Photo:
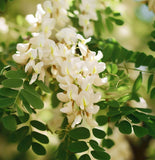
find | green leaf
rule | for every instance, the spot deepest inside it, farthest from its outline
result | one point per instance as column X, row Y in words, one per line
column 30, row 89
column 79, row 133
column 125, row 127
column 12, row 83
column 113, row 112
column 140, row 131
column 19, row 74
column 26, row 105
column 101, row 120
column 100, row 155
column 140, row 58
column 39, row 125
column 119, row 22
column 152, row 45
column 43, row 86
column 24, row 118
column 54, row 100
column 137, row 83
column 108, row 10
column 133, row 118
column 19, row 134
column 95, row 146
column 40, row 137
column 109, row 25
column 150, row 80
column 25, row 144
column 9, row 123
column 2, row 5
column 78, row 147
column 32, row 99
column 153, row 34
column 125, row 110
column 145, row 110
column 85, row 157
column 112, row 68
column 102, row 105
column 19, row 111
column 109, row 131
column 152, row 95
column 7, row 92
column 151, row 128
column 6, row 102
column 98, row 133
column 114, row 104
column 38, row 149
column 108, row 143
column 99, row 28
column 141, row 116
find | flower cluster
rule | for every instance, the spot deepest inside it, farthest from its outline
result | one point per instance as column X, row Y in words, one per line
column 54, row 47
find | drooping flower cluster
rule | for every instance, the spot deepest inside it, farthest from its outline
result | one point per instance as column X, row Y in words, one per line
column 53, row 46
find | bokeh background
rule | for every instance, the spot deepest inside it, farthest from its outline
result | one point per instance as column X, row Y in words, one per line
column 133, row 35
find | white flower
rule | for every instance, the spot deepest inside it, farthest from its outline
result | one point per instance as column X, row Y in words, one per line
column 48, row 7
column 22, row 47
column 47, row 26
column 67, row 35
column 72, row 92
column 62, row 97
column 39, row 14
column 67, row 108
column 4, row 28
column 20, row 58
column 77, row 120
